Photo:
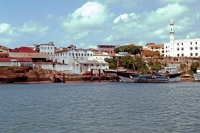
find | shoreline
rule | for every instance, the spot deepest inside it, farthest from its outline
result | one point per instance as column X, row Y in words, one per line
column 86, row 81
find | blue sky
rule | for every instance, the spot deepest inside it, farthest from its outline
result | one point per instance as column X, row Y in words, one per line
column 87, row 24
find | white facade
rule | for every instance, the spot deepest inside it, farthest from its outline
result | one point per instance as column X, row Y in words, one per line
column 47, row 48
column 80, row 61
column 101, row 55
column 68, row 56
column 181, row 48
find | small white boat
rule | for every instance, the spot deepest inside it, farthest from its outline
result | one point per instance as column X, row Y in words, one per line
column 197, row 75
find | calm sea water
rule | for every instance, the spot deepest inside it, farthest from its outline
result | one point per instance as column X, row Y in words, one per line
column 105, row 107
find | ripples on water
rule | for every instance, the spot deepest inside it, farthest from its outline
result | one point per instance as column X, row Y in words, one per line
column 100, row 107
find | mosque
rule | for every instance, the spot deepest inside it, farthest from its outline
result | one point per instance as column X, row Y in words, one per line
column 181, row 48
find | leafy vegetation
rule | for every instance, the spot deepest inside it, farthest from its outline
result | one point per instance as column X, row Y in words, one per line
column 127, row 62
column 112, row 63
column 131, row 49
column 148, row 53
column 193, row 67
column 155, row 65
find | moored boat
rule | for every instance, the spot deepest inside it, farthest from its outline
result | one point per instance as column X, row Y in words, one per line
column 172, row 72
column 197, row 75
column 150, row 78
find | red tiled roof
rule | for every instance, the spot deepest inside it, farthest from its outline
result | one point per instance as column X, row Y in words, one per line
column 23, row 59
column 155, row 45
column 24, row 50
column 4, row 59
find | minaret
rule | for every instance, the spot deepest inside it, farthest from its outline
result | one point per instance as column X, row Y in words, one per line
column 172, row 36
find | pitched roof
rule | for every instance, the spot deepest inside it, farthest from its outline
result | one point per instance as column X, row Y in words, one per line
column 24, row 50
column 155, row 45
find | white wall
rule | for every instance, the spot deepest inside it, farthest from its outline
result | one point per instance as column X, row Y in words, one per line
column 5, row 63
column 183, row 48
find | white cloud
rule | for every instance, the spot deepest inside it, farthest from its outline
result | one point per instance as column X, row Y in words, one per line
column 7, row 30
column 147, row 26
column 90, row 16
column 34, row 28
column 178, row 1
column 50, row 16
column 81, row 35
column 166, row 13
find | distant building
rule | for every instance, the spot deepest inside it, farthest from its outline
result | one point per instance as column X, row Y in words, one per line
column 106, row 48
column 155, row 47
column 26, row 52
column 16, row 62
column 181, row 48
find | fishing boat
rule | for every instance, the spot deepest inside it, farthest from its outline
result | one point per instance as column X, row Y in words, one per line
column 151, row 78
column 123, row 75
column 172, row 72
column 197, row 75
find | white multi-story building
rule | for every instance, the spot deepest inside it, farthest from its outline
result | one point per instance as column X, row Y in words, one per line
column 80, row 61
column 47, row 48
column 181, row 48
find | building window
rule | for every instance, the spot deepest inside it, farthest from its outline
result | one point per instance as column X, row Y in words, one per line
column 178, row 49
column 76, row 54
column 191, row 48
column 182, row 48
column 72, row 54
column 196, row 48
column 178, row 55
column 191, row 54
column 196, row 42
column 178, row 44
column 87, row 54
column 82, row 54
column 196, row 54
column 191, row 43
column 90, row 54
column 182, row 43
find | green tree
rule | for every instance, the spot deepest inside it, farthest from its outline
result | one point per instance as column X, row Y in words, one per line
column 131, row 49
column 193, row 67
column 157, row 66
column 140, row 65
column 127, row 62
column 112, row 63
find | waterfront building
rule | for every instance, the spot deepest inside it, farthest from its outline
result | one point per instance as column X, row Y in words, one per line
column 25, row 52
column 80, row 61
column 47, row 48
column 181, row 48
